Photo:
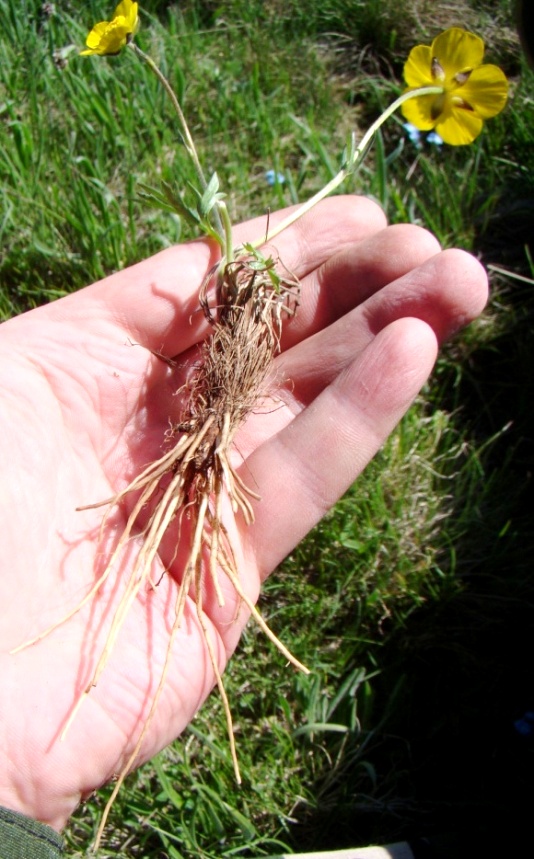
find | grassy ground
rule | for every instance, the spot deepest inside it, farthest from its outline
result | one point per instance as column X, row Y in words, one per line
column 413, row 600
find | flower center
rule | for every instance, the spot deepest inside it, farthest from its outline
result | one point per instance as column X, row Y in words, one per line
column 438, row 106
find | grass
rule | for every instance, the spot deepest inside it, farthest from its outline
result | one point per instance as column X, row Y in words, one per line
column 412, row 600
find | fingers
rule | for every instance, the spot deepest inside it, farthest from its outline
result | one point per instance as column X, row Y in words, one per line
column 156, row 302
column 346, row 387
column 345, row 303
column 303, row 469
column 447, row 291
column 350, row 276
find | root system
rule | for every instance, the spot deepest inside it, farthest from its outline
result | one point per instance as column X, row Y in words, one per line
column 195, row 474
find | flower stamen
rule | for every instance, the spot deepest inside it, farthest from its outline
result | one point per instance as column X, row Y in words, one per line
column 462, row 77
column 461, row 103
column 437, row 71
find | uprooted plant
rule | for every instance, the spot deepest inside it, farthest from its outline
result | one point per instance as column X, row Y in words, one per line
column 245, row 298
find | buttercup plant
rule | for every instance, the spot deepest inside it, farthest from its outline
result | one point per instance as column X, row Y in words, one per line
column 246, row 298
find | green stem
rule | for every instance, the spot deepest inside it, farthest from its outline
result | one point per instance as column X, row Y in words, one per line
column 228, row 246
column 220, row 211
column 356, row 158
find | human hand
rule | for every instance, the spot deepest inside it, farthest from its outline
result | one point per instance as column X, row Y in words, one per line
column 84, row 406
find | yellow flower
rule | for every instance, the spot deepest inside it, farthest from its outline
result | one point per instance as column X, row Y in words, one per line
column 472, row 92
column 110, row 37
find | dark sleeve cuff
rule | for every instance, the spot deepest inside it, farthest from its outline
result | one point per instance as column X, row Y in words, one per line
column 22, row 838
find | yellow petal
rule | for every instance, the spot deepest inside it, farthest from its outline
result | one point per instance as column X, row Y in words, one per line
column 486, row 91
column 95, row 36
column 124, row 8
column 419, row 111
column 417, row 69
column 457, row 50
column 108, row 37
column 128, row 10
column 458, row 127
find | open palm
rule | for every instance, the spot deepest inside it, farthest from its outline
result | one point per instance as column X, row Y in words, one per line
column 85, row 403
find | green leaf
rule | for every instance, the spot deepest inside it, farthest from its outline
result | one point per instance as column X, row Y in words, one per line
column 176, row 200
column 210, row 197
